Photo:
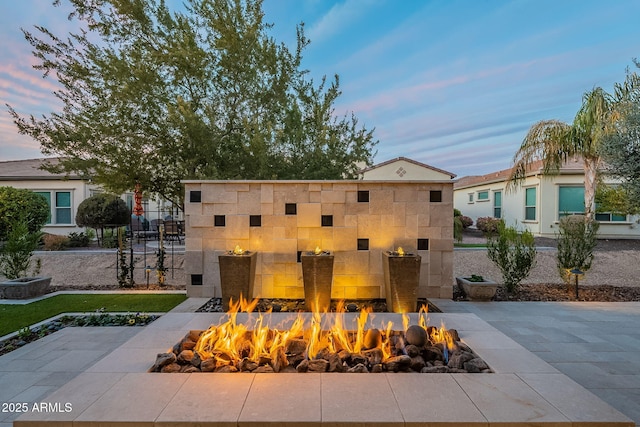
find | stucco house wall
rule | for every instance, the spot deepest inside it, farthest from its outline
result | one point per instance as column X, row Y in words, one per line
column 547, row 198
column 404, row 169
column 414, row 214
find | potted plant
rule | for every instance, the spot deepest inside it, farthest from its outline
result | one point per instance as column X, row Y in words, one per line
column 16, row 256
column 477, row 288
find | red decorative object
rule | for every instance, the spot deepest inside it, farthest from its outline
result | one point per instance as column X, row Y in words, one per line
column 138, row 210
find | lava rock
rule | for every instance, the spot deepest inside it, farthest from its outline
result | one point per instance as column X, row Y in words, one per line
column 454, row 334
column 171, row 368
column 435, row 370
column 416, row 335
column 352, row 308
column 335, row 364
column 264, row 369
column 374, row 356
column 288, row 370
column 303, row 366
column 458, row 359
column 417, row 363
column 187, row 344
column 373, row 338
column 376, row 369
column 476, row 365
column 208, row 365
column 412, row 350
column 188, row 369
column 433, row 353
column 397, row 363
column 163, row 359
column 318, row 365
column 358, row 369
column 226, row 369
column 276, row 308
column 247, row 365
column 185, row 356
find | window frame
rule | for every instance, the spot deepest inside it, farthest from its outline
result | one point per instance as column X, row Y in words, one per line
column 495, row 206
column 470, row 198
column 54, row 209
column 533, row 206
column 482, row 193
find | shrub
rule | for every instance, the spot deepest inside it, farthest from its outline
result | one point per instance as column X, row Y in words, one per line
column 488, row 225
column 79, row 240
column 577, row 237
column 17, row 204
column 17, row 251
column 466, row 221
column 54, row 242
column 456, row 212
column 513, row 252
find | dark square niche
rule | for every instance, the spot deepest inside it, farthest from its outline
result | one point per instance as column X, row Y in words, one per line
column 363, row 196
column 196, row 280
column 195, row 196
column 255, row 220
column 423, row 244
column 219, row 221
column 327, row 220
column 435, row 196
column 363, row 244
column 290, row 209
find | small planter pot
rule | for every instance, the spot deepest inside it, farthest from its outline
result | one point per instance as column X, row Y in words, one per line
column 24, row 288
column 317, row 275
column 237, row 273
column 401, row 280
column 477, row 291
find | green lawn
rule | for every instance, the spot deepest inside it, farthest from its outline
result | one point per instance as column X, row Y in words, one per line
column 15, row 317
column 470, row 245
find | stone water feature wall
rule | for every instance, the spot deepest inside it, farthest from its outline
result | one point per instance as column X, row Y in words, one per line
column 355, row 220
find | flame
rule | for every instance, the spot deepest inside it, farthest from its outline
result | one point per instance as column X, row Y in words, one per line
column 230, row 342
column 317, row 250
column 400, row 251
column 238, row 250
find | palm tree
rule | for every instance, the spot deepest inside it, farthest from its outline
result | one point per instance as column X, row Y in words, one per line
column 554, row 142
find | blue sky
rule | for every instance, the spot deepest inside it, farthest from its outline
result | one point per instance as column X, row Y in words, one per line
column 454, row 84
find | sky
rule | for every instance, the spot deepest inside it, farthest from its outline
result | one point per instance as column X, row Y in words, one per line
column 453, row 84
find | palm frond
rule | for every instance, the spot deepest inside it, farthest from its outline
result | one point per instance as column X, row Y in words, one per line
column 547, row 142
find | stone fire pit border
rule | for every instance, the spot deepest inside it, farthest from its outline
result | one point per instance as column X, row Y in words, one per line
column 524, row 390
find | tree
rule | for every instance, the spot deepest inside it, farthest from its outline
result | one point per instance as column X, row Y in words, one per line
column 102, row 211
column 155, row 97
column 19, row 206
column 621, row 149
column 554, row 142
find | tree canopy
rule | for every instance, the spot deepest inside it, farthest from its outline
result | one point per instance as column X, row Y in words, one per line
column 155, row 96
column 621, row 148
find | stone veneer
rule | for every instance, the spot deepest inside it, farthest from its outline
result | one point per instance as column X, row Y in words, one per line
column 328, row 214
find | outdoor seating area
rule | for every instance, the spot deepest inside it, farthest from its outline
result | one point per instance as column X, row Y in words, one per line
column 143, row 230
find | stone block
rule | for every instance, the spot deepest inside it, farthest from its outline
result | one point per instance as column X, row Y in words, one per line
column 356, row 208
column 375, row 263
column 446, row 292
column 193, row 244
column 405, row 193
column 249, row 203
column 332, row 196
column 345, row 239
column 266, row 209
column 441, row 244
column 350, row 292
column 370, row 292
column 237, row 227
column 309, row 215
column 351, row 220
column 337, row 292
column 351, row 196
column 266, row 193
column 314, row 197
column 379, row 201
column 193, row 262
column 369, row 225
column 327, row 208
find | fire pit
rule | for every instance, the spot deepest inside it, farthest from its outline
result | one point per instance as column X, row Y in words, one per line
column 318, row 344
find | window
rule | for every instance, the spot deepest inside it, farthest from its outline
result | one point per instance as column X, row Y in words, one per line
column 570, row 201
column 530, row 204
column 59, row 206
column 497, row 204
column 470, row 197
column 483, row 195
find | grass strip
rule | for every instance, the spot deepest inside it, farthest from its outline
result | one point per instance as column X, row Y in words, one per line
column 470, row 245
column 16, row 317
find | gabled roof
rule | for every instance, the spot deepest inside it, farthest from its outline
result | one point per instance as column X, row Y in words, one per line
column 571, row 166
column 30, row 169
column 422, row 165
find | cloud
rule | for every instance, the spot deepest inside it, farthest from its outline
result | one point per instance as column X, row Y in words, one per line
column 338, row 19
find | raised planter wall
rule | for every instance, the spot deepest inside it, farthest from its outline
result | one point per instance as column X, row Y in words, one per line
column 282, row 219
column 27, row 288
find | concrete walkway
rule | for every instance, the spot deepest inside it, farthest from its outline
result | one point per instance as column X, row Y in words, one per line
column 595, row 344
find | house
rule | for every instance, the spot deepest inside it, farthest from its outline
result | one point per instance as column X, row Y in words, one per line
column 539, row 203
column 404, row 169
column 63, row 193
